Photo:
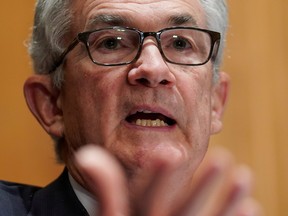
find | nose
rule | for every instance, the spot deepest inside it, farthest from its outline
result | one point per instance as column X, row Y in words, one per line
column 150, row 69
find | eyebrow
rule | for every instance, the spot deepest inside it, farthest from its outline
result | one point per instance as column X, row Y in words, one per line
column 117, row 20
column 108, row 19
column 182, row 19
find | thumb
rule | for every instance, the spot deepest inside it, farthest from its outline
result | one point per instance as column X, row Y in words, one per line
column 105, row 178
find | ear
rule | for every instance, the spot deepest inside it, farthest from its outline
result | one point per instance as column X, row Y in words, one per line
column 219, row 98
column 43, row 100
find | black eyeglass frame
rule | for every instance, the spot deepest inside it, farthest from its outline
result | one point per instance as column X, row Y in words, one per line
column 83, row 37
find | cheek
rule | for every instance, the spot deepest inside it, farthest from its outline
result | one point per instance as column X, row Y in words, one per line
column 196, row 95
column 196, row 91
column 90, row 105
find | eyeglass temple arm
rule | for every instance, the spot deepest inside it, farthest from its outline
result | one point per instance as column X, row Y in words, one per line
column 62, row 56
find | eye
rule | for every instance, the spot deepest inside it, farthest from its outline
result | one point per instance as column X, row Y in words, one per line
column 110, row 43
column 107, row 43
column 180, row 43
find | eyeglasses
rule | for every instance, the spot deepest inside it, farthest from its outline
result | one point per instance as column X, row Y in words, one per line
column 115, row 46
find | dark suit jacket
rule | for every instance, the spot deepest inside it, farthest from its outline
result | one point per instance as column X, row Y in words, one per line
column 57, row 199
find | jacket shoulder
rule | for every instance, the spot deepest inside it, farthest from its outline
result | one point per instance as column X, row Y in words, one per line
column 15, row 198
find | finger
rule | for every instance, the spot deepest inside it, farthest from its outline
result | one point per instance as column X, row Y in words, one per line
column 249, row 207
column 220, row 194
column 207, row 183
column 152, row 186
column 171, row 193
column 105, row 178
column 238, row 188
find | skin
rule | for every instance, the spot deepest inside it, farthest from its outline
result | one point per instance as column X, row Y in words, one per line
column 187, row 96
column 94, row 102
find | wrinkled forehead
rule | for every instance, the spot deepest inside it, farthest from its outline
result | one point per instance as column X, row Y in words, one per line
column 141, row 14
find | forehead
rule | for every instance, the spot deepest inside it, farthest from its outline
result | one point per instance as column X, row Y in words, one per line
column 138, row 13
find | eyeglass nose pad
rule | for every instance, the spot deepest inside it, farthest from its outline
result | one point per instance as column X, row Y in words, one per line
column 148, row 39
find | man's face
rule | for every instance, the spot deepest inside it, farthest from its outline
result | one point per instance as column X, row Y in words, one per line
column 144, row 109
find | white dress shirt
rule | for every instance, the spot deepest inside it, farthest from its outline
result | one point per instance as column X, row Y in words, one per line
column 87, row 199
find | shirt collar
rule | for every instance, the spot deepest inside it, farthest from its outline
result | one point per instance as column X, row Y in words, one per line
column 87, row 199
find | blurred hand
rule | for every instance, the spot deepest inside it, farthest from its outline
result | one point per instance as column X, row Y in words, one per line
column 219, row 186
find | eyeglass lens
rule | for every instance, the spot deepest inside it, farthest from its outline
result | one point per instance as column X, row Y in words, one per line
column 116, row 46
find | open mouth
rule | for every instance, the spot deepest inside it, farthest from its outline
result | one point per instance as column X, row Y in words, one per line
column 150, row 119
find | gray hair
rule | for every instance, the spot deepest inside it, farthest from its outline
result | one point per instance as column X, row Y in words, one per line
column 216, row 12
column 53, row 22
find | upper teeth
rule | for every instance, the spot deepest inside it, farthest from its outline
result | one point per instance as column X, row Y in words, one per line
column 146, row 111
column 151, row 123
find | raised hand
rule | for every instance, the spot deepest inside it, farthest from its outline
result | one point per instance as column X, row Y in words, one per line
column 218, row 188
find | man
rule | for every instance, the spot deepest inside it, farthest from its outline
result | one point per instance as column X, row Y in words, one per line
column 130, row 91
